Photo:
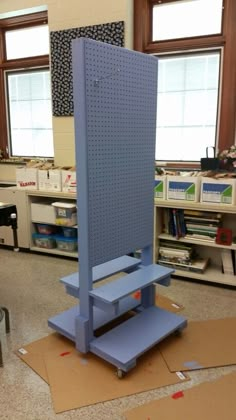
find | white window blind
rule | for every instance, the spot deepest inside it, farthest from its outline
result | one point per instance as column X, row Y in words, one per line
column 187, row 106
column 30, row 116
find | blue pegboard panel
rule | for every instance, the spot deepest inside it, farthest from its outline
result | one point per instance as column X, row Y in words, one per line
column 115, row 94
column 115, row 126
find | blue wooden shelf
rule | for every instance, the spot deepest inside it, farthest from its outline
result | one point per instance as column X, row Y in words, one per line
column 64, row 323
column 123, row 344
column 118, row 289
column 100, row 272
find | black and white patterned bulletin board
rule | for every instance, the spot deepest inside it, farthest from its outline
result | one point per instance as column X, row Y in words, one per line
column 61, row 60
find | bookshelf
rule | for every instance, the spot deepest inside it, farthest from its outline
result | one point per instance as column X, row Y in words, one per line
column 204, row 248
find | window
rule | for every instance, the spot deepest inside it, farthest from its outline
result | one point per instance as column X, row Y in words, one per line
column 186, row 19
column 187, row 106
column 25, row 92
column 29, row 110
column 23, row 42
column 194, row 42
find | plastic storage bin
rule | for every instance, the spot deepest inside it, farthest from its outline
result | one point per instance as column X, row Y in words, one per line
column 69, row 232
column 66, row 244
column 44, row 241
column 66, row 214
column 45, row 229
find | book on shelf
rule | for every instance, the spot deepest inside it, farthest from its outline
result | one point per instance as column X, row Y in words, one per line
column 202, row 225
column 165, row 243
column 197, row 265
column 201, row 220
column 175, row 258
column 228, row 263
column 180, row 223
column 196, row 237
column 202, row 214
column 176, row 223
column 174, row 251
column 201, row 232
column 196, row 226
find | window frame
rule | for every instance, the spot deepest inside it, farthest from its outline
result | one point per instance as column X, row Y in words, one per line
column 227, row 39
column 13, row 23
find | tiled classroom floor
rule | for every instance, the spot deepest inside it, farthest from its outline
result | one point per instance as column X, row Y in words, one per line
column 30, row 289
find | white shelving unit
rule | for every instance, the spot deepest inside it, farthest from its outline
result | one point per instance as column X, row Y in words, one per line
column 41, row 197
column 213, row 272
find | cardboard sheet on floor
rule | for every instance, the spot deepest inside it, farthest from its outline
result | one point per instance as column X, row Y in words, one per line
column 77, row 380
column 211, row 400
column 32, row 354
column 202, row 344
column 34, row 350
column 168, row 304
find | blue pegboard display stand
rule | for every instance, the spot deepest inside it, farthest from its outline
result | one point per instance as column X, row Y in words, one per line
column 115, row 94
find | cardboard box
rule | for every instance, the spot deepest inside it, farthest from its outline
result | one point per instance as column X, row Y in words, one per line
column 43, row 212
column 218, row 191
column 183, row 188
column 27, row 178
column 68, row 180
column 160, row 187
column 49, row 179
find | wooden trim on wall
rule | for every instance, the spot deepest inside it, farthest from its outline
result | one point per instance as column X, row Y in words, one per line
column 7, row 24
column 30, row 62
column 141, row 24
column 213, row 41
column 32, row 19
column 143, row 31
column 3, row 119
column 228, row 94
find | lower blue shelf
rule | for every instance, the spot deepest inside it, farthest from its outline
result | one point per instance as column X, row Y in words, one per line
column 64, row 323
column 123, row 344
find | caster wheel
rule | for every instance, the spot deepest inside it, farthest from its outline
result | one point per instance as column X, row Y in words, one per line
column 120, row 373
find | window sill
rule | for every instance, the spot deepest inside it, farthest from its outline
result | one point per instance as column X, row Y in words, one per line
column 12, row 162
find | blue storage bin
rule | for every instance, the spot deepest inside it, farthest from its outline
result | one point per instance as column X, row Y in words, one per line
column 69, row 232
column 66, row 244
column 44, row 241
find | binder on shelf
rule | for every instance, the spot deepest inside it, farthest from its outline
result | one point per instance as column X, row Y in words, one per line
column 227, row 261
column 177, row 226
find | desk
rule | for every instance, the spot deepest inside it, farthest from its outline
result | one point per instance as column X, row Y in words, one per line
column 8, row 217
